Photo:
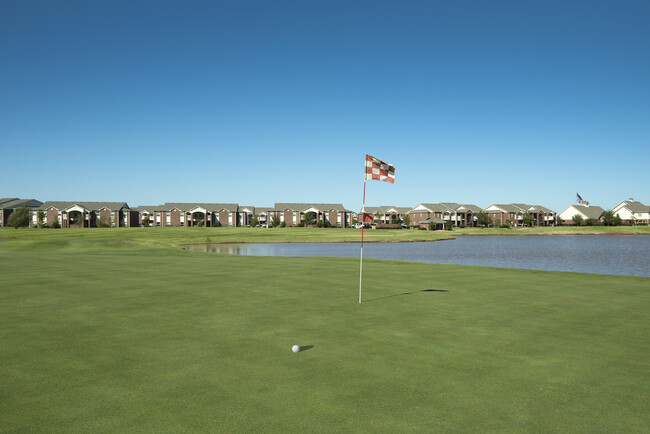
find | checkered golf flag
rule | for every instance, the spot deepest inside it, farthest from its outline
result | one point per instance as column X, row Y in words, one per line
column 379, row 170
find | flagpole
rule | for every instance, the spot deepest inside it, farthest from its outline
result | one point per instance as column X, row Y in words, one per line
column 363, row 224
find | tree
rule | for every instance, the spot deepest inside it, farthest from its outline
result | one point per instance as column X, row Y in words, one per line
column 40, row 218
column 609, row 218
column 275, row 220
column 527, row 219
column 310, row 218
column 407, row 220
column 19, row 218
column 559, row 220
column 255, row 222
column 577, row 219
column 449, row 225
column 483, row 219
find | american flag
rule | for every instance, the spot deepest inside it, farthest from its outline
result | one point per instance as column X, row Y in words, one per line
column 578, row 198
column 379, row 170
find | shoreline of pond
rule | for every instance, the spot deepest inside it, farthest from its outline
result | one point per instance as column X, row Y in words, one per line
column 570, row 253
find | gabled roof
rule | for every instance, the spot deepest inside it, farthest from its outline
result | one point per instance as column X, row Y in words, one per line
column 211, row 207
column 592, row 211
column 522, row 206
column 451, row 205
column 447, row 207
column 90, row 206
column 301, row 207
column 504, row 208
column 635, row 206
column 464, row 207
column 263, row 210
column 519, row 208
column 146, row 208
column 431, row 207
column 543, row 209
column 432, row 220
column 386, row 209
column 18, row 203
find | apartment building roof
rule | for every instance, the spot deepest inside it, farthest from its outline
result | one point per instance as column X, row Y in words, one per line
column 306, row 206
column 386, row 209
column 13, row 203
column 188, row 206
column 92, row 206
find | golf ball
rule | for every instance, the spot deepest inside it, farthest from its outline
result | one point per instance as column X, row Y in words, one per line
column 295, row 348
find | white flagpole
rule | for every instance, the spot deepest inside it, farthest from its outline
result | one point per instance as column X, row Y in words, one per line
column 363, row 224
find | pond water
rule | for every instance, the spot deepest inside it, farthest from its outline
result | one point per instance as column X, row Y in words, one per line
column 602, row 254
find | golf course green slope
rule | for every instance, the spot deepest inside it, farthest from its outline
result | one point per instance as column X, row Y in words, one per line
column 124, row 333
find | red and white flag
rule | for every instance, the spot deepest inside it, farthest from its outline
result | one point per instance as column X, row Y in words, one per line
column 379, row 170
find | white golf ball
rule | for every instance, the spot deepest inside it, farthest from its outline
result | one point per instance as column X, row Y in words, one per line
column 295, row 348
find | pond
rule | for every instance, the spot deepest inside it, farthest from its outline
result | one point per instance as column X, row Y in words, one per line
column 602, row 254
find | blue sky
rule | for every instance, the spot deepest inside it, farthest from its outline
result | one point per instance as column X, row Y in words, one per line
column 256, row 102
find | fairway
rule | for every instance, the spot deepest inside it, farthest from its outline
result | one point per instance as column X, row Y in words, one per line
column 120, row 333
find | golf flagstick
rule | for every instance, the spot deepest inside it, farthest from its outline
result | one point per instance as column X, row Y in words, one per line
column 380, row 171
column 363, row 224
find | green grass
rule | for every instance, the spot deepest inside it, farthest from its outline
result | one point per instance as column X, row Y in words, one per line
column 112, row 330
column 178, row 236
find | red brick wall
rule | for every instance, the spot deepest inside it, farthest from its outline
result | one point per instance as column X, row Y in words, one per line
column 331, row 216
column 4, row 216
column 223, row 217
column 418, row 216
column 175, row 217
column 288, row 217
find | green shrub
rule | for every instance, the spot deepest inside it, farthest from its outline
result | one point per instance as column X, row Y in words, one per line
column 19, row 218
column 40, row 217
column 283, row 224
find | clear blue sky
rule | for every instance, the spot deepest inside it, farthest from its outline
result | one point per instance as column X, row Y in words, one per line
column 256, row 102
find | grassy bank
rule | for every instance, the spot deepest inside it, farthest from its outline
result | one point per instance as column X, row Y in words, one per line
column 176, row 236
column 102, row 332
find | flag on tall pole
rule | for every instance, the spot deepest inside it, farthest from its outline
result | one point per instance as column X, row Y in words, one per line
column 578, row 198
column 380, row 171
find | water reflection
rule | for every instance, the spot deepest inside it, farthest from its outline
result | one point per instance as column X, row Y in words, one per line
column 603, row 254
